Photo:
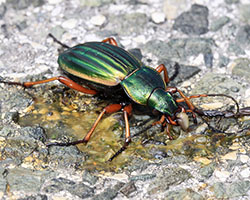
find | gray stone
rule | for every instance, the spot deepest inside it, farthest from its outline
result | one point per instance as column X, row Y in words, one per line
column 243, row 36
column 207, row 171
column 35, row 197
column 26, row 180
column 22, row 4
column 241, row 68
column 193, row 22
column 236, row 49
column 109, row 193
column 180, row 49
column 128, row 189
column 216, row 83
column 219, row 23
column 244, row 11
column 94, row 3
column 183, row 194
column 168, row 177
column 179, row 73
column 79, row 189
column 127, row 24
column 89, row 178
column 142, row 177
column 235, row 189
column 232, row 1
column 2, row 10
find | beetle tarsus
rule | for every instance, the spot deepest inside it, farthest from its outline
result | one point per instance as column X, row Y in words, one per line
column 66, row 143
column 123, row 148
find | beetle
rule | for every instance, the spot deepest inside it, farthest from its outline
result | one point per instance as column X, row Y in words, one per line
column 105, row 65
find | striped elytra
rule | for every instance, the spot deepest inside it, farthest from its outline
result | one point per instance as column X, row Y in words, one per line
column 99, row 62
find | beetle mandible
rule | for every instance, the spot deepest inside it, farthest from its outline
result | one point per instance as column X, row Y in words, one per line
column 106, row 64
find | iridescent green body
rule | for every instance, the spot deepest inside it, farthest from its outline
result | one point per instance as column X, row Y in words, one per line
column 110, row 65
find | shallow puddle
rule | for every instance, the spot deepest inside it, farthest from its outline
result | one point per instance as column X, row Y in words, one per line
column 72, row 114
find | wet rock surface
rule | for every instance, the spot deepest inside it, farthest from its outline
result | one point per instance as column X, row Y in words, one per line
column 205, row 48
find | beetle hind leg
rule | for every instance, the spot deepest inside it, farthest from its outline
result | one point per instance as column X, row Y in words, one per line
column 110, row 40
column 64, row 80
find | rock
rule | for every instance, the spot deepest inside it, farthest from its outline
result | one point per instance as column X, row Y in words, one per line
column 180, row 49
column 79, row 189
column 167, row 177
column 219, row 23
column 98, row 20
column 127, row 24
column 69, row 24
column 216, row 83
column 232, row 1
column 245, row 173
column 22, row 4
column 236, row 49
column 232, row 190
column 95, row 3
column 244, row 11
column 26, row 180
column 128, row 189
column 243, row 36
column 194, row 21
column 109, row 193
column 2, row 10
column 158, row 17
column 183, row 194
column 241, row 68
column 174, row 8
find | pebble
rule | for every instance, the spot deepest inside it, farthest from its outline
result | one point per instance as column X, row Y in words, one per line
column 210, row 106
column 158, row 17
column 230, row 156
column 221, row 174
column 98, row 20
column 173, row 8
column 202, row 160
column 245, row 173
column 69, row 24
column 244, row 158
column 54, row 1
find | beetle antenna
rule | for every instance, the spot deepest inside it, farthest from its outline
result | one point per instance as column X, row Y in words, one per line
column 57, row 41
column 233, row 99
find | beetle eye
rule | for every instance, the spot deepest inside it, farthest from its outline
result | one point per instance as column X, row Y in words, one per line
column 182, row 120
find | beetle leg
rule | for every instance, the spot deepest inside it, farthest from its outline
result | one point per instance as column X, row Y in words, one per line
column 169, row 126
column 161, row 121
column 185, row 98
column 127, row 110
column 163, row 68
column 108, row 109
column 64, row 80
column 57, row 41
column 110, row 40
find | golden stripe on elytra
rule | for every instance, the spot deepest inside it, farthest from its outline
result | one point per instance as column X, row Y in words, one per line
column 83, row 76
